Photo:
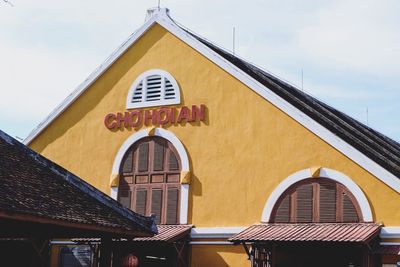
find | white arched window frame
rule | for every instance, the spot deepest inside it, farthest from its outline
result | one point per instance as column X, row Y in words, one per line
column 325, row 173
column 184, row 197
column 153, row 88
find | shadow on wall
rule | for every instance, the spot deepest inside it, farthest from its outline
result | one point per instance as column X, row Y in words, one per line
column 218, row 256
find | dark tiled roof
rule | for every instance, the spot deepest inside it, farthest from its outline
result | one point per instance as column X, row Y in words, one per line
column 376, row 146
column 35, row 187
column 308, row 232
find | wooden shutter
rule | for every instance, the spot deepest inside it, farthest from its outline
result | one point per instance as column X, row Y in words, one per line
column 327, row 202
column 141, row 199
column 304, row 203
column 283, row 212
column 143, row 157
column 158, row 163
column 172, row 162
column 127, row 164
column 125, row 197
column 349, row 211
column 172, row 205
column 156, row 203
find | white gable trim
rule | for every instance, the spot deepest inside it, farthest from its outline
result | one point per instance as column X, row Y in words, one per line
column 165, row 21
column 326, row 173
column 184, row 197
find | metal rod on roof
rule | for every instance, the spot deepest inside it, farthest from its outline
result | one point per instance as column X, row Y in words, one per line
column 233, row 41
column 159, row 4
column 367, row 118
column 302, row 79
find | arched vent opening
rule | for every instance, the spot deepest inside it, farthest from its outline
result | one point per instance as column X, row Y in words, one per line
column 153, row 88
column 316, row 200
column 150, row 179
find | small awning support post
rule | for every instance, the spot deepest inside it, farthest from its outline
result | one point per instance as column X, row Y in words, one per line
column 41, row 247
column 246, row 248
column 105, row 252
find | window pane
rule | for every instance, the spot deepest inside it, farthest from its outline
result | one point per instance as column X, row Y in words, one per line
column 172, row 205
column 159, row 147
column 125, row 198
column 127, row 164
column 143, row 157
column 327, row 202
column 349, row 211
column 283, row 211
column 141, row 197
column 156, row 203
column 173, row 162
column 304, row 203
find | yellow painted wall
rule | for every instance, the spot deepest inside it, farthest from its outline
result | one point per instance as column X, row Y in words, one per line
column 218, row 255
column 237, row 158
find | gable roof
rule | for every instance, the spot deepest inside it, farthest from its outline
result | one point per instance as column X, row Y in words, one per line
column 35, row 189
column 375, row 145
column 373, row 151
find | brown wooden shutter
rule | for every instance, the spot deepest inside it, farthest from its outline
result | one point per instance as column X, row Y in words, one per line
column 172, row 205
column 173, row 162
column 327, row 202
column 304, row 203
column 158, row 155
column 156, row 203
column 143, row 157
column 127, row 164
column 125, row 197
column 141, row 199
column 283, row 212
column 349, row 211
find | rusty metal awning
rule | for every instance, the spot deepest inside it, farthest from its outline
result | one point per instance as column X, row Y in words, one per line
column 388, row 250
column 308, row 232
column 166, row 233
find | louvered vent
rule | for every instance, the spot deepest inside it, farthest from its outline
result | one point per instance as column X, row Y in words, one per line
column 125, row 198
column 305, row 203
column 172, row 205
column 127, row 164
column 156, row 203
column 153, row 88
column 327, row 202
column 283, row 211
column 141, row 197
column 349, row 211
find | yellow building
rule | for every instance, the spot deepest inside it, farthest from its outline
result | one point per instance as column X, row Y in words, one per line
column 174, row 126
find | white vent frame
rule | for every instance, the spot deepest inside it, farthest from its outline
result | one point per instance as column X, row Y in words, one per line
column 162, row 101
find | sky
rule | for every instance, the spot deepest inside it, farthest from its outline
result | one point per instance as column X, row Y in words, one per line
column 347, row 50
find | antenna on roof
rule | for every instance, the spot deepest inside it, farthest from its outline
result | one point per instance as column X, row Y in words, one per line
column 233, row 41
column 158, row 4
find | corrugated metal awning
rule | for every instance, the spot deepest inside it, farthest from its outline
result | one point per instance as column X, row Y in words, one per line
column 308, row 232
column 166, row 233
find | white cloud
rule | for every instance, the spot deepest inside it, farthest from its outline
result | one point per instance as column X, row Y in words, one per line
column 48, row 47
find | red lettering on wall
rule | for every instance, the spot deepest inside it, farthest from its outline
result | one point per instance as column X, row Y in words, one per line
column 184, row 114
column 161, row 116
column 198, row 113
column 139, row 118
column 109, row 121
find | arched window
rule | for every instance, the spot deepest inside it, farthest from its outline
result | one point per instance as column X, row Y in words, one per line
column 150, row 179
column 153, row 88
column 316, row 200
